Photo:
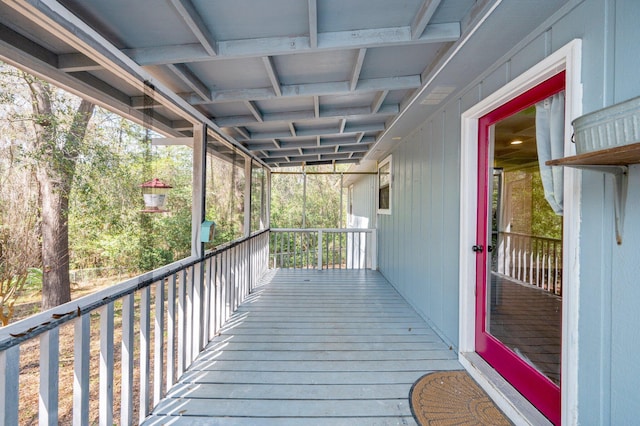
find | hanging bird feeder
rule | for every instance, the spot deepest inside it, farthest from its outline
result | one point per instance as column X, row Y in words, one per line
column 155, row 195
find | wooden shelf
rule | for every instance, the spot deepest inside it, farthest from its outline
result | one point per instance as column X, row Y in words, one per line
column 617, row 156
column 614, row 162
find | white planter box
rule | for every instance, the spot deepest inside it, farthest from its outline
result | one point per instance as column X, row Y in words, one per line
column 609, row 127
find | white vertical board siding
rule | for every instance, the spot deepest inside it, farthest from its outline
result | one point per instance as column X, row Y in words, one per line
column 421, row 236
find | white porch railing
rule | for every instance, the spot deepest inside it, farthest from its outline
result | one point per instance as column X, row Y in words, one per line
column 533, row 260
column 167, row 316
column 315, row 248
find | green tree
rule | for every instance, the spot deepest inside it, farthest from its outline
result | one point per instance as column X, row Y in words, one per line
column 55, row 149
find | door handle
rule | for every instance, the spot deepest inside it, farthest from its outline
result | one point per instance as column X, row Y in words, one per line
column 478, row 248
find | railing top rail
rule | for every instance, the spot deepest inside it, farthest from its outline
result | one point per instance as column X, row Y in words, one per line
column 322, row 229
column 518, row 234
column 28, row 328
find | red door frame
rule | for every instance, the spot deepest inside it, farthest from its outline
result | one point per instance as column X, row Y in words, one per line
column 536, row 387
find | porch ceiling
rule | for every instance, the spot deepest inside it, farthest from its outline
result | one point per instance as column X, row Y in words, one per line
column 280, row 79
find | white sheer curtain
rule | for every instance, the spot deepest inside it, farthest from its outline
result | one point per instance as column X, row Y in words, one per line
column 550, row 143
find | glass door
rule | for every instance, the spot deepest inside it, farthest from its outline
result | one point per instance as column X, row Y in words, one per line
column 519, row 243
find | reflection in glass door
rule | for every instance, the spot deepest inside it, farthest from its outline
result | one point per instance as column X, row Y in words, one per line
column 519, row 243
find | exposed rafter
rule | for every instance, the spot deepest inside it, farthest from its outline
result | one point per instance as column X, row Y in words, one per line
column 243, row 132
column 190, row 79
column 368, row 38
column 192, row 18
column 313, row 24
column 343, row 123
column 251, row 106
column 378, row 100
column 273, row 76
column 357, row 68
column 316, row 106
column 422, row 18
column 292, row 129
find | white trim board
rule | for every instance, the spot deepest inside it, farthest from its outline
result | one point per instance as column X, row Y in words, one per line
column 566, row 58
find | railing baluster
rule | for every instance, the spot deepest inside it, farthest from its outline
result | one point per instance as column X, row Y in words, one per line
column 196, row 307
column 199, row 298
column 171, row 330
column 158, row 350
column 188, row 344
column 209, row 323
column 49, row 354
column 81, row 347
column 106, row 366
column 9, row 385
column 218, row 289
column 182, row 296
column 127, row 357
column 145, row 331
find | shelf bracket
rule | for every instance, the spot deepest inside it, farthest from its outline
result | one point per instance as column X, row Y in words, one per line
column 621, row 183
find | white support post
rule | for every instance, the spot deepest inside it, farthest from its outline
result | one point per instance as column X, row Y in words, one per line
column 158, row 349
column 81, row 372
column 248, row 181
column 198, row 186
column 126, row 395
column 106, row 366
column 49, row 354
column 267, row 219
column 319, row 249
column 9, row 383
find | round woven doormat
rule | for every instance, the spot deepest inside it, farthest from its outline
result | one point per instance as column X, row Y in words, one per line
column 451, row 398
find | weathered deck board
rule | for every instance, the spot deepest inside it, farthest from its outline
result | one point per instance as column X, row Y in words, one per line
column 310, row 348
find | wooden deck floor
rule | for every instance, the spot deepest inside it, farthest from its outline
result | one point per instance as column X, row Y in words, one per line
column 311, row 348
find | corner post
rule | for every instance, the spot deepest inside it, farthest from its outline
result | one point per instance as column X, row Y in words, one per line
column 248, row 163
column 198, row 187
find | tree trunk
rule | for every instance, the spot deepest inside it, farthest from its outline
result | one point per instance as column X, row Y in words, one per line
column 56, row 160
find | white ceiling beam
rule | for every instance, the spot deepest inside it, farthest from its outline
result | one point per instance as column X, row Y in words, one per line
column 292, row 129
column 286, row 135
column 273, row 76
column 291, row 146
column 243, row 132
column 316, row 106
column 357, row 68
column 313, row 24
column 422, row 18
column 315, row 89
column 74, row 62
column 276, row 143
column 260, row 47
column 343, row 123
column 253, row 109
column 192, row 18
column 378, row 100
column 190, row 79
column 325, row 114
